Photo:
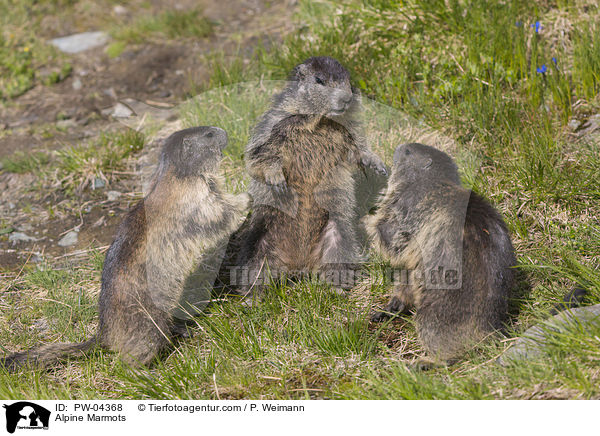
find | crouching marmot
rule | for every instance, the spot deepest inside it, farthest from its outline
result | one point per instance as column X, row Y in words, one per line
column 453, row 243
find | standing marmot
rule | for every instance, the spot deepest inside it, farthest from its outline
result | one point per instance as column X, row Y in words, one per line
column 301, row 159
column 454, row 243
column 156, row 246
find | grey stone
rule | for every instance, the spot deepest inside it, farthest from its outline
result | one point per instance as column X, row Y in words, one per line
column 113, row 195
column 65, row 124
column 121, row 111
column 80, row 41
column 77, row 85
column 142, row 109
column 25, row 227
column 69, row 239
column 574, row 124
column 21, row 237
column 37, row 258
column 532, row 342
column 589, row 126
column 119, row 10
column 98, row 183
column 111, row 93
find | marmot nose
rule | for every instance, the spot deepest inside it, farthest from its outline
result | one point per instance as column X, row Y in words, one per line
column 343, row 101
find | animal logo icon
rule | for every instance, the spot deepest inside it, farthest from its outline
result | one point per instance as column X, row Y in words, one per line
column 24, row 414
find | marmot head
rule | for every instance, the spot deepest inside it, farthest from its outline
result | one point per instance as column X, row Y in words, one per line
column 193, row 152
column 320, row 86
column 423, row 164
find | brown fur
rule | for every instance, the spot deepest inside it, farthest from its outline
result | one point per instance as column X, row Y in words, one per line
column 301, row 159
column 156, row 247
column 426, row 220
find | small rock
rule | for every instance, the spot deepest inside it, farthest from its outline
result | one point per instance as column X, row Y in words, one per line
column 121, row 111
column 113, row 195
column 80, row 41
column 21, row 237
column 65, row 124
column 37, row 258
column 77, row 85
column 573, row 124
column 591, row 125
column 69, row 239
column 23, row 121
column 111, row 93
column 25, row 227
column 119, row 10
column 98, row 183
column 531, row 343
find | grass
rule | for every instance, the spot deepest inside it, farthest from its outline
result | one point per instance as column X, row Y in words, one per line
column 170, row 23
column 469, row 71
column 26, row 59
column 74, row 169
column 20, row 162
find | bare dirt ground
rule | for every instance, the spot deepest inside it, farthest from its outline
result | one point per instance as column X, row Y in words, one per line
column 76, row 110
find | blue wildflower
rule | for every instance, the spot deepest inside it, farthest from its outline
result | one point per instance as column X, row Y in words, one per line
column 554, row 61
column 537, row 26
column 518, row 23
column 542, row 69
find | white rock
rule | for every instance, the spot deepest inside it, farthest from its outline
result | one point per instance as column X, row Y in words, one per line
column 98, row 184
column 69, row 239
column 121, row 111
column 80, row 41
column 119, row 10
column 21, row 237
column 77, row 85
column 113, row 195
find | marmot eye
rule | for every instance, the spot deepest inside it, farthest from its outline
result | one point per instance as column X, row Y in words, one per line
column 407, row 152
column 319, row 80
column 209, row 134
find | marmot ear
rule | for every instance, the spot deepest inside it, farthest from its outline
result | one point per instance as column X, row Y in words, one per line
column 427, row 163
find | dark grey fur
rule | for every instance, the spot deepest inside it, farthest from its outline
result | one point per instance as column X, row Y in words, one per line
column 426, row 219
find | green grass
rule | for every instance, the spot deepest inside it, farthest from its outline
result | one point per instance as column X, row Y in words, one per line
column 171, row 23
column 469, row 71
column 75, row 168
column 25, row 58
column 20, row 162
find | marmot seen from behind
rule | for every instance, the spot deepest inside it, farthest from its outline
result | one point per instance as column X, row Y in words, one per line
column 455, row 245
